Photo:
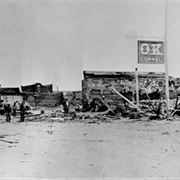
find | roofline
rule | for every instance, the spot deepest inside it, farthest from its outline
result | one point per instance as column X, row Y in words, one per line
column 129, row 74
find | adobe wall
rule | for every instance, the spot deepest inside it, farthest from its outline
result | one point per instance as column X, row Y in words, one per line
column 74, row 97
column 44, row 100
column 96, row 87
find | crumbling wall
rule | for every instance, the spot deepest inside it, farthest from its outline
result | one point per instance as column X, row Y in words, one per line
column 74, row 97
column 98, row 88
column 44, row 99
column 51, row 99
column 150, row 87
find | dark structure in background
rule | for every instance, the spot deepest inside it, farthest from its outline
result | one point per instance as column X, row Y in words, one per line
column 43, row 95
column 40, row 95
column 10, row 91
column 151, row 86
column 38, row 88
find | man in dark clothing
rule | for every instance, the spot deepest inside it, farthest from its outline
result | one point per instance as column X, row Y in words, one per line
column 7, row 109
column 14, row 109
column 22, row 111
column 66, row 106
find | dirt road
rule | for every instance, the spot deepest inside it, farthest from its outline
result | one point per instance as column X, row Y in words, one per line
column 121, row 149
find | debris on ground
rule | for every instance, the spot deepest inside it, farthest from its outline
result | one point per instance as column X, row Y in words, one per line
column 101, row 111
column 7, row 141
column 165, row 133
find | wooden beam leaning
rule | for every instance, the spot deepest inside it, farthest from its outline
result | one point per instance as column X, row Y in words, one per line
column 138, row 109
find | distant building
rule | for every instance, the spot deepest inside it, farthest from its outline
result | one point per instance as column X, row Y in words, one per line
column 10, row 95
column 38, row 88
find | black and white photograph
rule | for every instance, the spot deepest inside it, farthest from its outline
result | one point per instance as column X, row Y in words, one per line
column 89, row 89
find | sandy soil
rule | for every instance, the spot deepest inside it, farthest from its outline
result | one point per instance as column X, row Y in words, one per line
column 121, row 149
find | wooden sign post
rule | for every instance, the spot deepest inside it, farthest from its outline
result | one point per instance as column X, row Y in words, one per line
column 155, row 52
column 137, row 88
column 166, row 63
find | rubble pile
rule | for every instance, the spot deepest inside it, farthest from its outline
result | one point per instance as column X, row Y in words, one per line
column 103, row 112
column 151, row 109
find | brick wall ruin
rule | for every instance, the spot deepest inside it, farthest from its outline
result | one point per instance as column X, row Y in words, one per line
column 151, row 85
column 44, row 99
column 51, row 99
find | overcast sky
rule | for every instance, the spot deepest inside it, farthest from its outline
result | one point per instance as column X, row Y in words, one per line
column 54, row 41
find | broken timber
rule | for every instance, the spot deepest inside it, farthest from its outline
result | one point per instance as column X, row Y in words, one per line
column 8, row 141
column 138, row 109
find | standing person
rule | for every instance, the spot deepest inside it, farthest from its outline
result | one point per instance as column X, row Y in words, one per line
column 7, row 109
column 66, row 106
column 161, row 109
column 22, row 111
column 14, row 109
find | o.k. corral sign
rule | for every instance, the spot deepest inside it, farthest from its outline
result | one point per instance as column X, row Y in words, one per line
column 150, row 52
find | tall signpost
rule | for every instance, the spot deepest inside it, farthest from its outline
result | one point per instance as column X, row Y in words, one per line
column 155, row 52
column 166, row 61
column 137, row 88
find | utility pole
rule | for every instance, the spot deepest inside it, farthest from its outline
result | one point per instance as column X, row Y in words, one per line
column 166, row 59
column 137, row 88
column 0, row 92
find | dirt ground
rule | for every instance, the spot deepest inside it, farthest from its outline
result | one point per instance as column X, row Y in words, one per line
column 120, row 149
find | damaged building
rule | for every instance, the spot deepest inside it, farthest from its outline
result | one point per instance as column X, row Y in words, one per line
column 11, row 95
column 95, row 85
column 40, row 95
column 43, row 95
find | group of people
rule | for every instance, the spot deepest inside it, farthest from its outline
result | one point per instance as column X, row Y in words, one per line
column 13, row 110
column 22, row 108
